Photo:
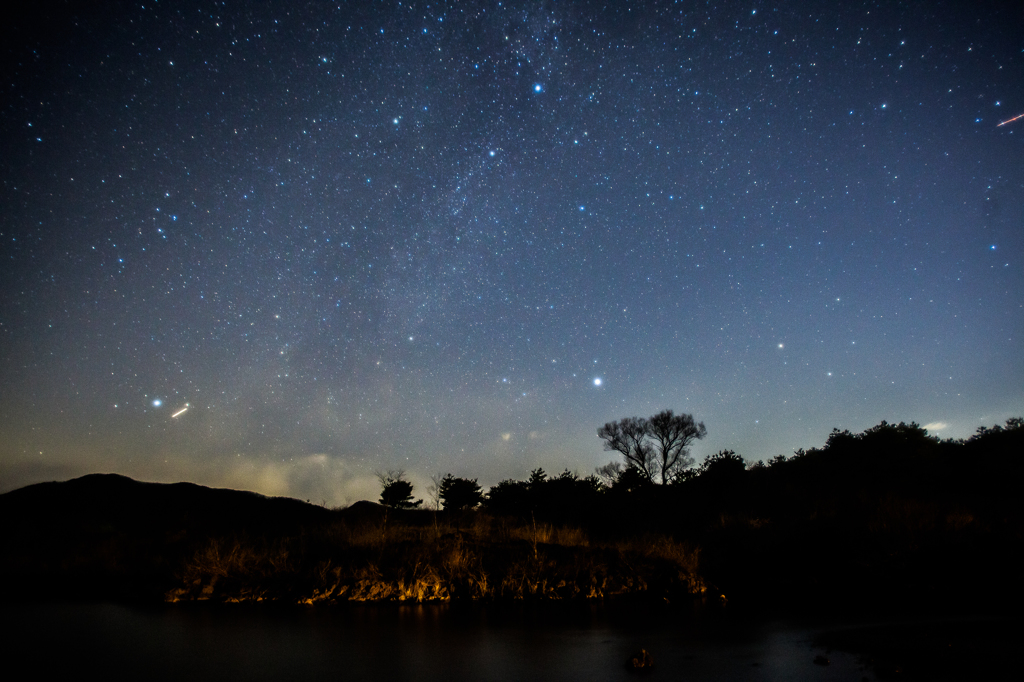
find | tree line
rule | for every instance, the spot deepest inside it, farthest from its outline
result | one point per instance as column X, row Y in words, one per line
column 654, row 450
column 654, row 455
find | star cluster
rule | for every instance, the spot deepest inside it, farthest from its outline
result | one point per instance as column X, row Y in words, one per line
column 461, row 236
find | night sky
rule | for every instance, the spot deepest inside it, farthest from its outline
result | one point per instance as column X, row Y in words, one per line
column 459, row 237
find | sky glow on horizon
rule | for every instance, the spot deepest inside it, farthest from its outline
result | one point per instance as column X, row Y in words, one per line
column 282, row 248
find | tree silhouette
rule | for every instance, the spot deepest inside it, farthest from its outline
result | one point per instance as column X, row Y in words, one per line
column 396, row 492
column 628, row 437
column 657, row 448
column 510, row 498
column 459, row 493
column 631, row 480
column 672, row 435
column 724, row 465
column 609, row 473
column 434, row 491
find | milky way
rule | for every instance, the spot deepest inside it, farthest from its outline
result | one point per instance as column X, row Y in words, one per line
column 461, row 236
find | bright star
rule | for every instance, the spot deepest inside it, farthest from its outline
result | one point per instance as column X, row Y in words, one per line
column 597, row 381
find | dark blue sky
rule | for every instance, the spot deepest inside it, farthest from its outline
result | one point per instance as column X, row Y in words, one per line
column 461, row 236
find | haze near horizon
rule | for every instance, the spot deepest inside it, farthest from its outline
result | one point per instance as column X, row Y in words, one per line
column 279, row 248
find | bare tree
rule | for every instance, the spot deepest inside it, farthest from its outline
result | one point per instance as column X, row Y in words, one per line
column 628, row 437
column 609, row 473
column 434, row 491
column 672, row 435
column 656, row 448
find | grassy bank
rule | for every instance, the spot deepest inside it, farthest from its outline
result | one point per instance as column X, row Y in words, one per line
column 889, row 519
column 420, row 556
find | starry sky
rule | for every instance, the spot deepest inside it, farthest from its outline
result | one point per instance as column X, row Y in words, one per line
column 281, row 246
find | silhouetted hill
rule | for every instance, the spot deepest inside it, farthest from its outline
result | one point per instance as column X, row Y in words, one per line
column 109, row 534
column 109, row 537
column 888, row 518
column 112, row 498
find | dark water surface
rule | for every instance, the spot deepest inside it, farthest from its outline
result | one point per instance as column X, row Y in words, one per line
column 415, row 642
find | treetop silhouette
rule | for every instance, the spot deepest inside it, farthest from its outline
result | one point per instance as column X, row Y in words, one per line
column 395, row 491
column 459, row 493
column 657, row 448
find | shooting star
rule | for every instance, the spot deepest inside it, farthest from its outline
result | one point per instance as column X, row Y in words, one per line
column 180, row 412
column 1011, row 120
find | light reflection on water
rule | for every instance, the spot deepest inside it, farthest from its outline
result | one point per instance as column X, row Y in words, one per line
column 415, row 642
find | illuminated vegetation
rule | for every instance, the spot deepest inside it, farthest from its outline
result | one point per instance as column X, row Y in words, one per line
column 417, row 557
column 888, row 516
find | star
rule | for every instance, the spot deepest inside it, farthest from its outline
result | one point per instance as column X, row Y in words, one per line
column 686, row 193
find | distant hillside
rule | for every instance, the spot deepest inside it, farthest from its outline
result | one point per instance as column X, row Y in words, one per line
column 125, row 502
column 108, row 534
column 888, row 518
column 109, row 537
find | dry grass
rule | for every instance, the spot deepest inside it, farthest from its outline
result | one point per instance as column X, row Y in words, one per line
column 547, row 534
column 474, row 557
column 239, row 557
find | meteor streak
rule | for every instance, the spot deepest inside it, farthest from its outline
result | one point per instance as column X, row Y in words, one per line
column 179, row 412
column 1011, row 120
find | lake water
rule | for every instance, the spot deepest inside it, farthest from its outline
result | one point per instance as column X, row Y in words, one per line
column 415, row 642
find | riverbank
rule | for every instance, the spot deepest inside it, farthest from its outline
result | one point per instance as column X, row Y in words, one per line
column 109, row 537
column 886, row 523
column 422, row 558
